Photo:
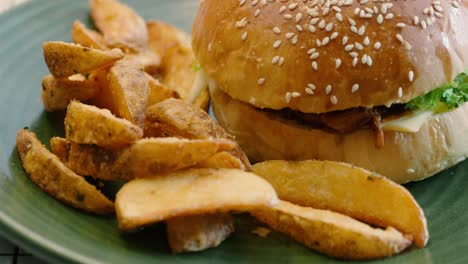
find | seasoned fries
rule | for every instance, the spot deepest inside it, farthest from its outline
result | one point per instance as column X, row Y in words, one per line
column 349, row 190
column 177, row 118
column 129, row 91
column 58, row 93
column 87, row 37
column 333, row 234
column 121, row 26
column 192, row 192
column 52, row 176
column 66, row 59
column 200, row 232
column 144, row 124
column 86, row 124
column 154, row 156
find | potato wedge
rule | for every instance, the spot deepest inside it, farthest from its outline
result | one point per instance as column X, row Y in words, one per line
column 349, row 190
column 87, row 37
column 176, row 118
column 87, row 124
column 91, row 160
column 222, row 160
column 129, row 91
column 199, row 232
column 159, row 92
column 333, row 234
column 121, row 26
column 58, row 93
column 162, row 36
column 178, row 72
column 192, row 192
column 153, row 156
column 52, row 176
column 60, row 147
column 66, row 59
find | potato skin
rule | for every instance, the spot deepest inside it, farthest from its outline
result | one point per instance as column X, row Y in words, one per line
column 66, row 59
column 333, row 234
column 349, row 190
column 52, row 176
column 86, row 124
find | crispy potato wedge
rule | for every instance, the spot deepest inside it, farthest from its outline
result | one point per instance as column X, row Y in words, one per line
column 58, row 93
column 222, row 160
column 162, row 36
column 87, row 37
column 159, row 92
column 66, row 59
column 178, row 71
column 94, row 161
column 176, row 118
column 349, row 190
column 87, row 124
column 199, row 232
column 129, row 91
column 191, row 192
column 60, row 148
column 121, row 26
column 333, row 234
column 153, row 156
column 52, row 176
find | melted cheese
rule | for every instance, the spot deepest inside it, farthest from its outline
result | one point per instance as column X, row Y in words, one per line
column 410, row 123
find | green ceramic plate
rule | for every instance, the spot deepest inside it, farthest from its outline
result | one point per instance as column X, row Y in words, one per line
column 60, row 234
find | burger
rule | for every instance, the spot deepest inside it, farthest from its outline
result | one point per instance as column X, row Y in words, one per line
column 379, row 84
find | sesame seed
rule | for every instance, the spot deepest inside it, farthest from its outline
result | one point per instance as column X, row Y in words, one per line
column 299, row 28
column 276, row 30
column 329, row 27
column 275, row 60
column 328, row 89
column 293, row 6
column 337, row 63
column 333, row 100
column 314, row 21
column 312, row 50
column 242, row 2
column 289, row 35
column 277, row 44
column 416, row 20
column 349, row 47
column 314, row 65
column 311, row 29
column 244, row 36
column 377, row 45
column 353, row 54
column 294, row 39
column 252, row 100
column 400, row 92
column 281, row 61
column 380, row 19
column 261, row 81
column 287, row 16
column 325, row 41
column 339, row 17
column 295, row 94
column 322, row 24
column 401, row 25
column 282, row 9
column 411, row 76
column 257, row 12
column 314, row 55
column 355, row 61
column 345, row 40
column 287, row 97
column 366, row 41
column 309, row 91
column 298, row 17
column 358, row 45
column 311, row 86
column 334, row 35
column 362, row 30
column 355, row 88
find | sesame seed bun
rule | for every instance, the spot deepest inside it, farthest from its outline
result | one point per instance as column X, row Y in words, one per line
column 299, row 54
column 439, row 144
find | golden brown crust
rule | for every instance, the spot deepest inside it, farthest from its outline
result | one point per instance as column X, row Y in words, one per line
column 437, row 54
column 439, row 144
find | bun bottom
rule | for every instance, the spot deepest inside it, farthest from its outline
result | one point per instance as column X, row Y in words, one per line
column 441, row 142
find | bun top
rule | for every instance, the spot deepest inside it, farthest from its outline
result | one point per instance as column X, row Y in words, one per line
column 323, row 55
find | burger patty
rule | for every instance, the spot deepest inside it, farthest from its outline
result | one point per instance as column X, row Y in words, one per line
column 346, row 121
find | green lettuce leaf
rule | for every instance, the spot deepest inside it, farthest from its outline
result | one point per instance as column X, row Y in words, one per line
column 444, row 98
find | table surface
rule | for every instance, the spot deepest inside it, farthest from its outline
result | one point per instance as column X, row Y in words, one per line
column 9, row 253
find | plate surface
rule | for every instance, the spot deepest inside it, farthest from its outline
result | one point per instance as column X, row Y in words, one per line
column 61, row 234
